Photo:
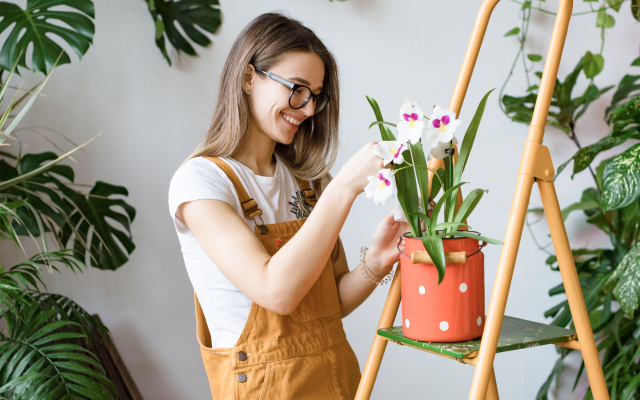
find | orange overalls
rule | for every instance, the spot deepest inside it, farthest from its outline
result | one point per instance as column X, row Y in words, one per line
column 304, row 355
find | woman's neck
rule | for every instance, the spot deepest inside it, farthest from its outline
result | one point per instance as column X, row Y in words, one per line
column 258, row 153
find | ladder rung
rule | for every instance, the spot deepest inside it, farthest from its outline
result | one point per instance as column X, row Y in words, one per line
column 515, row 334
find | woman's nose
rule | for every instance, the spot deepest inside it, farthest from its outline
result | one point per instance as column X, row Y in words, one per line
column 310, row 108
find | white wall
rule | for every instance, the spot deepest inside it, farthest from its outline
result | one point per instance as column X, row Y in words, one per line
column 151, row 116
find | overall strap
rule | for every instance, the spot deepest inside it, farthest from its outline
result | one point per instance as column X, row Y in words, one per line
column 307, row 192
column 249, row 206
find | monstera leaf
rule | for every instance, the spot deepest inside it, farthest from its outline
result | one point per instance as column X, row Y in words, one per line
column 621, row 179
column 91, row 223
column 32, row 26
column 188, row 13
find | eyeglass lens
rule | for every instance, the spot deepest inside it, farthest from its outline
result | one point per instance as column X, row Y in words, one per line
column 302, row 94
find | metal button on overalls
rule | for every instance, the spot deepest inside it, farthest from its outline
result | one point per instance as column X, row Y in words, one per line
column 301, row 355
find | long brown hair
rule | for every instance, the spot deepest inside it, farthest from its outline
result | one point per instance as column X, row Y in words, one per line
column 262, row 43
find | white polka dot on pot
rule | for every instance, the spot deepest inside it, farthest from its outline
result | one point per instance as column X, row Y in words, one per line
column 444, row 325
column 463, row 287
column 479, row 321
column 421, row 290
column 406, row 322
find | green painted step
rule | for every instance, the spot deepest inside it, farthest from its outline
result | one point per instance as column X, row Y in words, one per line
column 516, row 334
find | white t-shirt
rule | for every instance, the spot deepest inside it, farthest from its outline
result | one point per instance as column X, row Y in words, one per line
column 225, row 307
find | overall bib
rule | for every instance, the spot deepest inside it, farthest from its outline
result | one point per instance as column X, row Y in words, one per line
column 304, row 355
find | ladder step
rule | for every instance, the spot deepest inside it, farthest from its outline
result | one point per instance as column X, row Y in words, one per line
column 515, row 334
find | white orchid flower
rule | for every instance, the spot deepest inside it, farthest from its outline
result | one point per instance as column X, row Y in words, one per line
column 411, row 122
column 441, row 127
column 390, row 150
column 438, row 151
column 380, row 187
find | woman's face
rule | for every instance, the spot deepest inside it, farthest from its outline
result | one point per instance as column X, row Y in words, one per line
column 269, row 99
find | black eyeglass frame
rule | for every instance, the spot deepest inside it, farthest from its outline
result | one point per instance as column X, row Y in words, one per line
column 293, row 87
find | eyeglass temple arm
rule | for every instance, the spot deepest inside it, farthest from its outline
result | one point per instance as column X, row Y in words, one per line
column 276, row 78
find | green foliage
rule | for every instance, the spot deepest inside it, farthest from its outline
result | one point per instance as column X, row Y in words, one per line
column 40, row 352
column 609, row 274
column 191, row 15
column 32, row 26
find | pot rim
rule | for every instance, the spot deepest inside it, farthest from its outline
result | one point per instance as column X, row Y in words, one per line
column 407, row 235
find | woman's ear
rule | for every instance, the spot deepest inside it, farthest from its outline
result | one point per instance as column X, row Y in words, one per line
column 249, row 76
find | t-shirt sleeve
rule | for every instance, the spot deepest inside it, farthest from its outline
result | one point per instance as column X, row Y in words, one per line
column 198, row 179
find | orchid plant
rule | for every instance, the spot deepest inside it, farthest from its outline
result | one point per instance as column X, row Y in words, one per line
column 408, row 155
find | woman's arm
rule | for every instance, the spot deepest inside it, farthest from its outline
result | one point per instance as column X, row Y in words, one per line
column 278, row 283
column 353, row 286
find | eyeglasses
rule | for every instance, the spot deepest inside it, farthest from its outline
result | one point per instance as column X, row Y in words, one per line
column 300, row 94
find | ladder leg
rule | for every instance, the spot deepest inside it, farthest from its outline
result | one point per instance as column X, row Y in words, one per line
column 498, row 304
column 574, row 292
column 379, row 344
column 492, row 391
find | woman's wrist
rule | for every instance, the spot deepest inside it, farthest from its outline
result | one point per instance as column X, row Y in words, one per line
column 372, row 260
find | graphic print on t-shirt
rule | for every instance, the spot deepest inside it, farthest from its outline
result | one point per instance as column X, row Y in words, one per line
column 299, row 207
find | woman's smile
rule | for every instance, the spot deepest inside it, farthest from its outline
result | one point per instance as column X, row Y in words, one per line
column 291, row 120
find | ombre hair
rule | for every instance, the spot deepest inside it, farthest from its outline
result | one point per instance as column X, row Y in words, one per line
column 263, row 43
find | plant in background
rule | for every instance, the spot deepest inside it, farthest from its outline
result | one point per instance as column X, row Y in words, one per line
column 610, row 273
column 40, row 357
column 74, row 25
column 410, row 167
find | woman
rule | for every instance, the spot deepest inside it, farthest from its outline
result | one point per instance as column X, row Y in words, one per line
column 269, row 314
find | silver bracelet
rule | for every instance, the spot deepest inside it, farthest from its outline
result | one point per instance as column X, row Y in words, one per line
column 370, row 275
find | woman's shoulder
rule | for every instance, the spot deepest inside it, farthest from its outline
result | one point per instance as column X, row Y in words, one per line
column 199, row 169
column 200, row 177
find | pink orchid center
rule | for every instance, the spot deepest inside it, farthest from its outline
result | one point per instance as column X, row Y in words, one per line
column 383, row 181
column 441, row 124
column 396, row 152
column 411, row 118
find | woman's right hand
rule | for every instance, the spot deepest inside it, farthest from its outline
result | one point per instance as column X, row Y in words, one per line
column 354, row 173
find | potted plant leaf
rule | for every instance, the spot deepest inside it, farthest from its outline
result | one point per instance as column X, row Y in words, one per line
column 442, row 262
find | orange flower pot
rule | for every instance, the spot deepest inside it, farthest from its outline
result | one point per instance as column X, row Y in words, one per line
column 452, row 311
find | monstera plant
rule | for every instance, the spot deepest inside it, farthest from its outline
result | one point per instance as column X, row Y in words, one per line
column 609, row 272
column 72, row 22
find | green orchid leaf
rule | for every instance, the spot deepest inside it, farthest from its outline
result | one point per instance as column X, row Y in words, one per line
column 381, row 122
column 469, row 204
column 439, row 204
column 621, row 179
column 592, row 64
column 534, row 57
column 422, row 172
column 384, row 131
column 192, row 16
column 446, row 225
column 469, row 138
column 635, row 10
column 436, row 184
column 33, row 27
column 512, row 32
column 433, row 246
column 473, row 236
column 625, row 281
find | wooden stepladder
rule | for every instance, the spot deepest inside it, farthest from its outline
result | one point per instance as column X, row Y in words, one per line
column 505, row 333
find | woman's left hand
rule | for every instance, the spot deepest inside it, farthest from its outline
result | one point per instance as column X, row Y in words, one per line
column 383, row 252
